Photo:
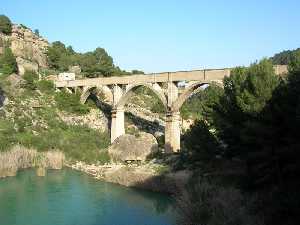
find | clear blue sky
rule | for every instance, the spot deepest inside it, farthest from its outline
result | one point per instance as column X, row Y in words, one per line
column 166, row 35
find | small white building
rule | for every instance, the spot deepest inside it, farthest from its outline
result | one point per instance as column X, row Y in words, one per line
column 66, row 76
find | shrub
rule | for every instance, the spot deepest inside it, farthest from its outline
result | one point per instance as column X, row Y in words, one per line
column 7, row 134
column 70, row 103
column 24, row 26
column 148, row 99
column 31, row 79
column 5, row 25
column 76, row 142
column 200, row 143
column 45, row 86
column 8, row 63
column 207, row 203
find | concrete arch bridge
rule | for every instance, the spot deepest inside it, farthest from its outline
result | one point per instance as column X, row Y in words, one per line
column 172, row 88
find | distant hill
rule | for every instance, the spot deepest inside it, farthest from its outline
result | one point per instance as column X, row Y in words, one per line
column 284, row 57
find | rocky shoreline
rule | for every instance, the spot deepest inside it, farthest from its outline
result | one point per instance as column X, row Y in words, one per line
column 143, row 176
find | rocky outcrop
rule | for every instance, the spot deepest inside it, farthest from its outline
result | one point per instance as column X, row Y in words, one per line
column 29, row 48
column 133, row 148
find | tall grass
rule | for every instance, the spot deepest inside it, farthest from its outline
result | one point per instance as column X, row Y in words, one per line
column 20, row 157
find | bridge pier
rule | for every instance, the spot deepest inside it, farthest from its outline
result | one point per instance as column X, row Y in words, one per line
column 172, row 132
column 117, row 124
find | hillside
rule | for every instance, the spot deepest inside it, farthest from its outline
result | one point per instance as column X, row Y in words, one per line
column 35, row 116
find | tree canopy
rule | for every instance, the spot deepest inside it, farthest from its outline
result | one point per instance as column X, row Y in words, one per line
column 284, row 57
column 256, row 120
column 93, row 64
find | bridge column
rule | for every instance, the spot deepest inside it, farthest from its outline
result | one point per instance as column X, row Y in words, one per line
column 172, row 93
column 117, row 94
column 172, row 132
column 117, row 123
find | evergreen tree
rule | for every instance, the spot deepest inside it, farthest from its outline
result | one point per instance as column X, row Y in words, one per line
column 201, row 145
column 246, row 93
column 37, row 32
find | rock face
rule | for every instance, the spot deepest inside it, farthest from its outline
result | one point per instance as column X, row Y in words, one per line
column 129, row 147
column 95, row 119
column 29, row 48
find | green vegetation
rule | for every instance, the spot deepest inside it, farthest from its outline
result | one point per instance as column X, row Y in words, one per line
column 24, row 26
column 48, row 133
column 203, row 147
column 77, row 142
column 137, row 72
column 208, row 203
column 146, row 98
column 31, row 78
column 252, row 128
column 7, row 134
column 45, row 86
column 200, row 105
column 93, row 64
column 70, row 102
column 37, row 32
column 5, row 25
column 284, row 57
column 32, row 121
column 8, row 64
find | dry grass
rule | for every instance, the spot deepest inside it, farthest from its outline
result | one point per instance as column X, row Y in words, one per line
column 55, row 159
column 20, row 157
column 209, row 204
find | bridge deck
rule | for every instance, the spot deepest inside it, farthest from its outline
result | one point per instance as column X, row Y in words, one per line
column 195, row 75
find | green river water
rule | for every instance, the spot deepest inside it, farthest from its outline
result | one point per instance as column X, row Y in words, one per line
column 67, row 197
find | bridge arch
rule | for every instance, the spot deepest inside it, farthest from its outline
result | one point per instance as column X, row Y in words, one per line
column 189, row 91
column 97, row 90
column 155, row 88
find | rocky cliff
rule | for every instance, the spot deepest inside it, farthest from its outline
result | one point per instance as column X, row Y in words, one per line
column 29, row 48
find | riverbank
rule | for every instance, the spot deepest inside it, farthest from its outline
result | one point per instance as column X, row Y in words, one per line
column 146, row 176
column 20, row 157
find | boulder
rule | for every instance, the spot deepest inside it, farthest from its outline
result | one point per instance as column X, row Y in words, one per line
column 133, row 148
